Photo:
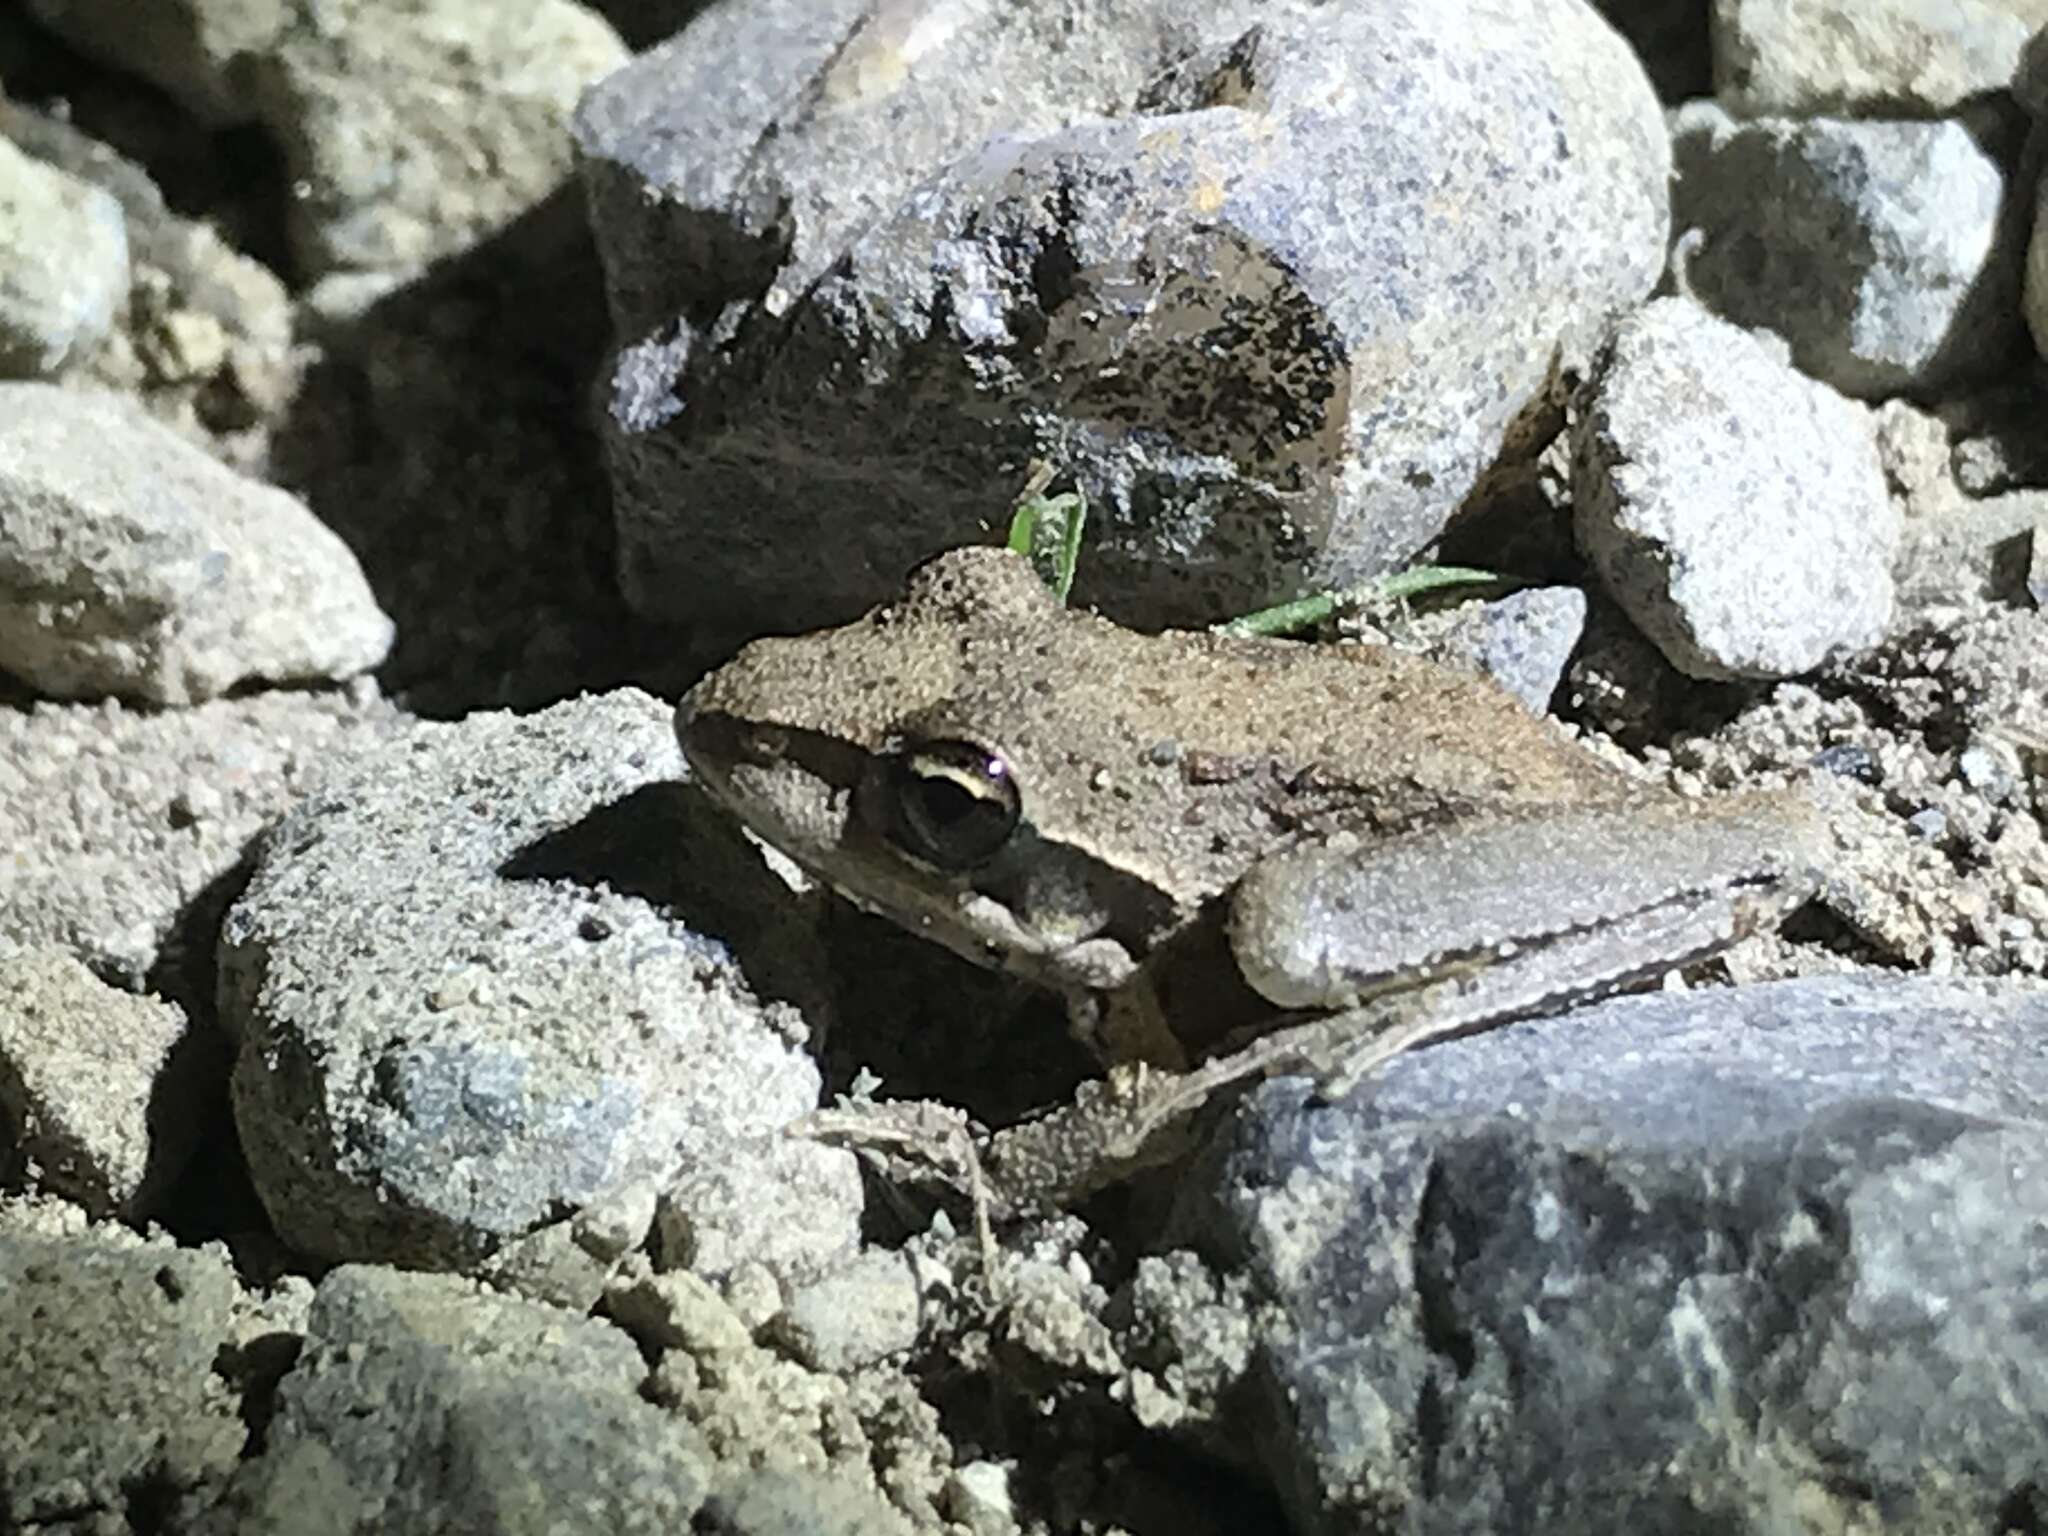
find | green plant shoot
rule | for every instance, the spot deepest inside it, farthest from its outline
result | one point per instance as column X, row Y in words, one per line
column 1046, row 530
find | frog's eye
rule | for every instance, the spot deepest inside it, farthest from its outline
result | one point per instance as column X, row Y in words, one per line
column 955, row 803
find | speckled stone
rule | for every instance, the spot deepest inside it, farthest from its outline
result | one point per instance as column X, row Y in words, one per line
column 1274, row 285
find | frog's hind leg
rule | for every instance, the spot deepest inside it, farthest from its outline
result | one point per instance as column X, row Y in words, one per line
column 1481, row 992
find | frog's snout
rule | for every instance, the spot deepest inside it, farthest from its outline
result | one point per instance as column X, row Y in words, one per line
column 685, row 721
column 709, row 738
column 722, row 749
column 705, row 734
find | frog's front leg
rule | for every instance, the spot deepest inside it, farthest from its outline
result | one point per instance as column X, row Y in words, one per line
column 1127, row 1025
column 1444, row 931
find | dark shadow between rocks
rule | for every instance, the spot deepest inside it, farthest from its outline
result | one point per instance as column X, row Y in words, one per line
column 187, row 966
column 2024, row 1511
column 1663, row 703
column 256, row 1367
column 211, row 1197
column 931, row 1025
column 446, row 435
column 2012, row 562
column 1080, row 1456
column 1673, row 41
column 643, row 23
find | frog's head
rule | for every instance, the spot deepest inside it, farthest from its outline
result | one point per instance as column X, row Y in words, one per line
column 881, row 756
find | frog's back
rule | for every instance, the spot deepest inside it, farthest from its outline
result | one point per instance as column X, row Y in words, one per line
column 1210, row 750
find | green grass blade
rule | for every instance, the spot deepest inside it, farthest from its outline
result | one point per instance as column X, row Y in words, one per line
column 1305, row 613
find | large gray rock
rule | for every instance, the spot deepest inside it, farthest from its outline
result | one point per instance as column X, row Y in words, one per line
column 109, row 1383
column 420, row 1406
column 131, row 563
column 1735, row 508
column 461, row 1013
column 1887, row 253
column 105, row 1093
column 119, row 827
column 1866, row 58
column 63, row 266
column 1275, row 287
column 1679, row 1262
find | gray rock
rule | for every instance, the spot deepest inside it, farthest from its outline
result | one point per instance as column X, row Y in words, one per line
column 1736, row 510
column 863, row 274
column 1522, row 641
column 415, row 131
column 979, row 1496
column 110, row 1386
column 1679, row 1262
column 191, row 48
column 765, row 1199
column 202, row 270
column 678, row 1310
column 2037, row 561
column 132, row 563
column 788, row 1501
column 120, row 826
column 1954, row 546
column 419, row 1405
column 105, row 1093
column 204, row 334
column 1866, row 58
column 63, row 266
column 1885, row 253
column 568, row 1263
column 503, row 969
column 862, row 1312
